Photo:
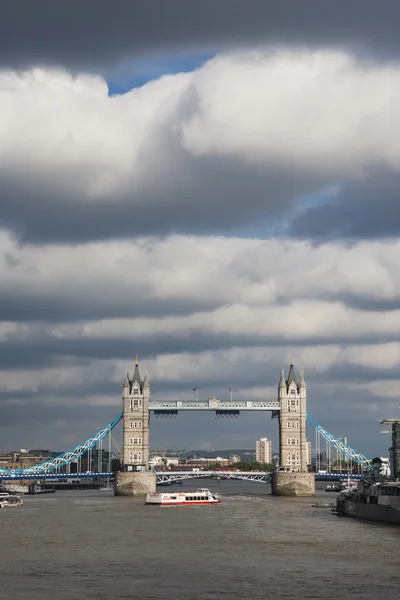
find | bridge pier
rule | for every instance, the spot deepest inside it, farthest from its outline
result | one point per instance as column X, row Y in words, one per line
column 293, row 484
column 131, row 483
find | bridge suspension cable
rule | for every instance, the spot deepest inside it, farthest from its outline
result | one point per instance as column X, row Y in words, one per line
column 358, row 458
column 74, row 454
column 70, row 455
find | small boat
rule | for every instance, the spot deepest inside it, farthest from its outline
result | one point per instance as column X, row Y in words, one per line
column 200, row 496
column 348, row 486
column 10, row 501
column 333, row 487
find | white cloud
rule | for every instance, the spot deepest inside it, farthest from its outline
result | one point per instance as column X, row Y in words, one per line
column 308, row 110
column 278, row 286
column 320, row 113
column 207, row 310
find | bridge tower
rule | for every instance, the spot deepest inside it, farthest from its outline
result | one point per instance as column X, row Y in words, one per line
column 135, row 477
column 292, row 478
column 136, row 417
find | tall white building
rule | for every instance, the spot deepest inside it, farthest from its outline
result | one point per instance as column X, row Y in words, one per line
column 264, row 451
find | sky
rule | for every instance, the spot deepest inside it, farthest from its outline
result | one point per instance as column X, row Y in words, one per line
column 211, row 186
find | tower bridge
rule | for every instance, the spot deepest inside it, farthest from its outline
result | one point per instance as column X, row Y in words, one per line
column 289, row 408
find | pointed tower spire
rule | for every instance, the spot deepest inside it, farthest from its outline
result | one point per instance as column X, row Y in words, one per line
column 126, row 383
column 282, row 382
column 136, row 374
column 146, row 383
column 302, row 380
column 291, row 374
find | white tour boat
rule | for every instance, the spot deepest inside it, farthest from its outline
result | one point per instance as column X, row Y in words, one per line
column 200, row 496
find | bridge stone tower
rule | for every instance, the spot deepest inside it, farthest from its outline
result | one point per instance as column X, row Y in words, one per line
column 292, row 478
column 136, row 417
column 135, row 478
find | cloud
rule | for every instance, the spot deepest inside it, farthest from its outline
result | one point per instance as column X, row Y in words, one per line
column 363, row 209
column 229, row 147
column 248, row 306
column 94, row 34
column 135, row 224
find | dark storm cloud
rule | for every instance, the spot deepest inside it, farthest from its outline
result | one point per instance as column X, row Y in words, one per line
column 362, row 210
column 204, row 196
column 65, row 307
column 41, row 351
column 58, row 426
column 99, row 33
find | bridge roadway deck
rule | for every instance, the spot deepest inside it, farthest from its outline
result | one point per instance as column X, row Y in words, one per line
column 175, row 476
column 228, row 406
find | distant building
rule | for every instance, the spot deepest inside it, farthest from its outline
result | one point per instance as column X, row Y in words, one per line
column 233, row 458
column 23, row 459
column 160, row 461
column 263, row 451
column 200, row 463
column 155, row 461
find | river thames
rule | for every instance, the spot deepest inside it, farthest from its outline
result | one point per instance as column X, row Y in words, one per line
column 78, row 545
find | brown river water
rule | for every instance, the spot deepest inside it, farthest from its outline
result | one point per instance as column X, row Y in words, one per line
column 78, row 545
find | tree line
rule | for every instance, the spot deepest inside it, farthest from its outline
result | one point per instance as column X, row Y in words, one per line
column 243, row 465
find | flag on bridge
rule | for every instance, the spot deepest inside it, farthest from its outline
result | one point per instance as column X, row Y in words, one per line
column 194, row 389
column 230, row 389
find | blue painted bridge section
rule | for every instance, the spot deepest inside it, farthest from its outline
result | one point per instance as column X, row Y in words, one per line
column 54, row 477
column 172, row 407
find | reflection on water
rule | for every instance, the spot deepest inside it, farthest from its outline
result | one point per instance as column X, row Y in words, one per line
column 91, row 545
